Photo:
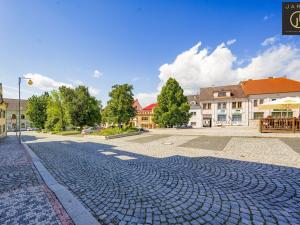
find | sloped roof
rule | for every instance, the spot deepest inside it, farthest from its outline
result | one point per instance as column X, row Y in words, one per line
column 208, row 93
column 270, row 86
column 150, row 107
column 13, row 104
column 137, row 105
column 192, row 98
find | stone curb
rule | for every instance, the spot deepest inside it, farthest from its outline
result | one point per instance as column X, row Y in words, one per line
column 78, row 213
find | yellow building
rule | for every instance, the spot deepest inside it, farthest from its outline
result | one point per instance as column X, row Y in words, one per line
column 3, row 107
column 144, row 117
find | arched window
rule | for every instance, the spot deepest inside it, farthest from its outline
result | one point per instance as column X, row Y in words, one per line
column 13, row 116
column 23, row 117
column 14, row 126
column 22, row 125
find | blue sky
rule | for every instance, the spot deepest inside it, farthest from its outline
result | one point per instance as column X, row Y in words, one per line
column 126, row 41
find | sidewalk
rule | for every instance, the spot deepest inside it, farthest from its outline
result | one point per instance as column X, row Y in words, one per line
column 24, row 197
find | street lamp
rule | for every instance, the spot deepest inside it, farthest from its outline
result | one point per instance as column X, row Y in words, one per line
column 29, row 83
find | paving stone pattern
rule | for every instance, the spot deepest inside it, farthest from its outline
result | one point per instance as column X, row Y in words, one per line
column 207, row 142
column 22, row 196
column 173, row 190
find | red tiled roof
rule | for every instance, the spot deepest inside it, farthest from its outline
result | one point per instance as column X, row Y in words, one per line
column 270, row 86
column 150, row 107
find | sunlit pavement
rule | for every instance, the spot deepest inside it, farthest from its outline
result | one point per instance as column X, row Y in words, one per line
column 124, row 187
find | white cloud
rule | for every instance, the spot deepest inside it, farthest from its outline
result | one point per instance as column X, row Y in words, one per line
column 94, row 91
column 197, row 67
column 45, row 83
column 146, row 98
column 267, row 17
column 134, row 79
column 97, row 73
column 231, row 42
column 269, row 41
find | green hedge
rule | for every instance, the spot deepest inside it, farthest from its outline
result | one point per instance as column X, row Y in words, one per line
column 116, row 130
column 68, row 132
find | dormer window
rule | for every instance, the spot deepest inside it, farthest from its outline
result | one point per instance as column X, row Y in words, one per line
column 222, row 94
column 193, row 102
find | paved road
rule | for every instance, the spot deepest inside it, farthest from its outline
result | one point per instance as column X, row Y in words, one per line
column 173, row 190
column 24, row 198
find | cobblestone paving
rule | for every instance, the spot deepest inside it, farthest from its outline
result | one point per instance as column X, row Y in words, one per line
column 207, row 142
column 23, row 199
column 294, row 143
column 149, row 138
column 173, row 190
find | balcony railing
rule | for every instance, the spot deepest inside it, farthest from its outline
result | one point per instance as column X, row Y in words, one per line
column 270, row 125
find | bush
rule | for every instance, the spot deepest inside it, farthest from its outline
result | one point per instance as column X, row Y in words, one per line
column 114, row 131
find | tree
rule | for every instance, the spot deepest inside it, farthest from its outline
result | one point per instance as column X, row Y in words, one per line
column 84, row 109
column 37, row 110
column 57, row 112
column 119, row 108
column 173, row 108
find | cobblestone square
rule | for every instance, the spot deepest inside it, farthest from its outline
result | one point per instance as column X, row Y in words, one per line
column 172, row 189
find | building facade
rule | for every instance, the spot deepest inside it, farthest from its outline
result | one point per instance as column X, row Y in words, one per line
column 195, row 109
column 3, row 114
column 12, row 118
column 144, row 117
column 238, row 105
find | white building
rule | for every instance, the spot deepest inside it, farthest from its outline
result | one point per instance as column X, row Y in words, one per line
column 238, row 105
column 12, row 117
column 195, row 110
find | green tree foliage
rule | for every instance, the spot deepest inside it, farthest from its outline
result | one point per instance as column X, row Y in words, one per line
column 119, row 108
column 83, row 109
column 57, row 112
column 173, row 108
column 37, row 110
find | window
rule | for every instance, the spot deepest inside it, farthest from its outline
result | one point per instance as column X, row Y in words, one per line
column 193, row 113
column 236, row 118
column 222, row 105
column 23, row 125
column 204, row 105
column 208, row 105
column 282, row 114
column 222, row 94
column 255, row 103
column 3, row 114
column 23, row 117
column 144, row 118
column 239, row 105
column 234, row 105
column 13, row 116
column 221, row 118
column 258, row 115
column 0, row 129
column 261, row 101
column 3, row 128
column 193, row 103
column 193, row 123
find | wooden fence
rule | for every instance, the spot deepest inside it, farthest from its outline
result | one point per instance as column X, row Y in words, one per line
column 280, row 125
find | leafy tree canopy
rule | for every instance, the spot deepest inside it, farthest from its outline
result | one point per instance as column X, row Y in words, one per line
column 119, row 108
column 37, row 110
column 84, row 109
column 57, row 112
column 173, row 108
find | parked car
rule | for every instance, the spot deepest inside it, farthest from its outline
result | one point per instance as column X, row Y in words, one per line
column 89, row 130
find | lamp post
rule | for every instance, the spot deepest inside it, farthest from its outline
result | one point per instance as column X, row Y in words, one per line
column 19, row 122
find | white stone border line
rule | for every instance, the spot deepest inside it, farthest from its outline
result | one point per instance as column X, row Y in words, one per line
column 78, row 213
